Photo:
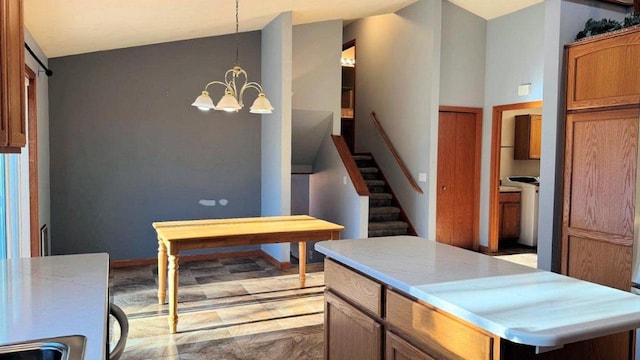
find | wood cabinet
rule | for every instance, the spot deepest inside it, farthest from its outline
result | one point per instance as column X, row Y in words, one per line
column 412, row 329
column 355, row 320
column 601, row 158
column 509, row 213
column 603, row 71
column 350, row 333
column 600, row 166
column 399, row 349
column 12, row 77
column 527, row 140
column 600, row 201
column 437, row 332
column 355, row 328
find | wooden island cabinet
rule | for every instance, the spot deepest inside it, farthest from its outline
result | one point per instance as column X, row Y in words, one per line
column 399, row 298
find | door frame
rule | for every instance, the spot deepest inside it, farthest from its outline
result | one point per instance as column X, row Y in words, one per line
column 494, row 174
column 32, row 143
column 345, row 46
column 476, row 171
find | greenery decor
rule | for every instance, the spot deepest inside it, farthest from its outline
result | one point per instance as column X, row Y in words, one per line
column 593, row 27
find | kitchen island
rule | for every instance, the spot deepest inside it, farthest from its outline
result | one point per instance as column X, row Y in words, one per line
column 55, row 296
column 408, row 297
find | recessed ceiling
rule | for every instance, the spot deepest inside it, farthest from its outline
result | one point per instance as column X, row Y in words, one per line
column 80, row 26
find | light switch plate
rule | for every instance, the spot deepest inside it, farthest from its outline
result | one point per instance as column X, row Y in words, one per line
column 422, row 177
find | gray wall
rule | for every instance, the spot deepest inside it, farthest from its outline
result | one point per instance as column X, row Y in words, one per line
column 127, row 149
column 300, row 194
column 316, row 70
column 399, row 80
column 563, row 20
column 276, row 127
column 462, row 57
column 42, row 102
column 514, row 56
column 332, row 195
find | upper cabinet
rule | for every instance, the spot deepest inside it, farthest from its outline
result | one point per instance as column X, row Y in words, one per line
column 12, row 74
column 603, row 71
column 527, row 138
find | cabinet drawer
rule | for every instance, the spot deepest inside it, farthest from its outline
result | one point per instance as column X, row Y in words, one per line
column 353, row 286
column 436, row 330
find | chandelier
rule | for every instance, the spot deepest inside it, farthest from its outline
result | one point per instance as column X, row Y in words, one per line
column 235, row 83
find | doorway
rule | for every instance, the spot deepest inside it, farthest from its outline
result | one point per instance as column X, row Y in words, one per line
column 515, row 168
column 348, row 94
column 458, row 183
column 19, row 234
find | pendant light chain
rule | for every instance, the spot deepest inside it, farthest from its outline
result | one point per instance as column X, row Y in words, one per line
column 237, row 35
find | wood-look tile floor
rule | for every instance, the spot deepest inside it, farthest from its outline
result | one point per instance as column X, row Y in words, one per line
column 235, row 308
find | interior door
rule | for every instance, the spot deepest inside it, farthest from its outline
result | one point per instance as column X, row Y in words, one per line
column 457, row 201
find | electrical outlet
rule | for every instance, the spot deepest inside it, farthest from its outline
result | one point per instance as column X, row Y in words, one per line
column 422, row 177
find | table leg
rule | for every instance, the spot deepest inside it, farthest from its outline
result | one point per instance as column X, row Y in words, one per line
column 162, row 271
column 302, row 253
column 173, row 289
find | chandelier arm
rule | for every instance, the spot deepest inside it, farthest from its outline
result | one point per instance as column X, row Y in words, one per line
column 215, row 82
column 252, row 85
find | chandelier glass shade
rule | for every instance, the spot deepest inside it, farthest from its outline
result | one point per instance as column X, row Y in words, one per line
column 235, row 83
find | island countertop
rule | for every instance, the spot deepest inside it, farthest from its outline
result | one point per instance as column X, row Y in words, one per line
column 55, row 296
column 517, row 303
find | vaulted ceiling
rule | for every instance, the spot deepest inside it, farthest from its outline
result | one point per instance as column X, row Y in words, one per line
column 80, row 26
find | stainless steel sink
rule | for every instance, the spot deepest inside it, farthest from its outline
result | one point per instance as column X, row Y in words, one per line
column 58, row 348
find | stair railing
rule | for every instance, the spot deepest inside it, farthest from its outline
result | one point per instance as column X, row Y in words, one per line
column 350, row 165
column 393, row 151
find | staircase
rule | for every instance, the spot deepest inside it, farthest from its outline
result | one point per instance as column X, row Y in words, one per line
column 386, row 218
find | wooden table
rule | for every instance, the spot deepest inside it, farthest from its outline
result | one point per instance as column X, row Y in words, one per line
column 174, row 236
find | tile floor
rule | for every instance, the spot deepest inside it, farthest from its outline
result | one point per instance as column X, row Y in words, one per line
column 236, row 308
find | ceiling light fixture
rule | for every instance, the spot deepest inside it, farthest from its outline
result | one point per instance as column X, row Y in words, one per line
column 348, row 62
column 232, row 99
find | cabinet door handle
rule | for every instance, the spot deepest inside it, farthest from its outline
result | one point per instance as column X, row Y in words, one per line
column 444, row 188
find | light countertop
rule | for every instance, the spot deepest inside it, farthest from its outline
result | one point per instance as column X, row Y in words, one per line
column 55, row 296
column 518, row 303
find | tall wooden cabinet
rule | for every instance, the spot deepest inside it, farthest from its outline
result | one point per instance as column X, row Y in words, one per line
column 13, row 129
column 601, row 164
column 601, row 158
